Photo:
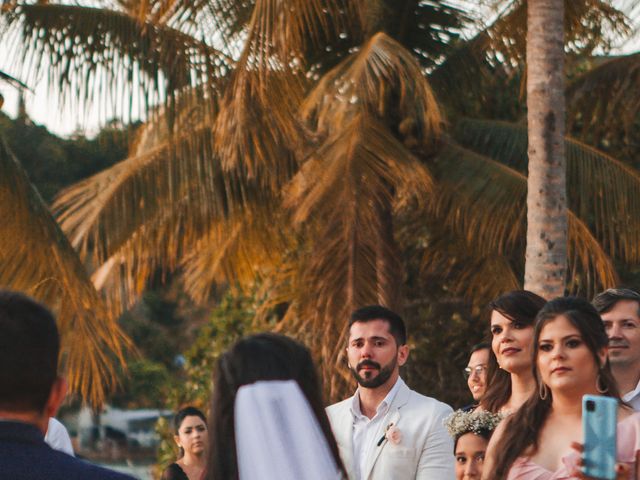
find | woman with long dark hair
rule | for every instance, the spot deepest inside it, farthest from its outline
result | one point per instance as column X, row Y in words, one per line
column 541, row 440
column 265, row 360
column 191, row 436
column 509, row 379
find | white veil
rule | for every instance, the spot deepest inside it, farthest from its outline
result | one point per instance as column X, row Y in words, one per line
column 278, row 436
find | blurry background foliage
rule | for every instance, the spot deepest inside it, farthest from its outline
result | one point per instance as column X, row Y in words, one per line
column 318, row 155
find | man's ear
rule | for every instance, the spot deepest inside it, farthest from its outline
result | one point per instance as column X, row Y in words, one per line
column 56, row 397
column 403, row 354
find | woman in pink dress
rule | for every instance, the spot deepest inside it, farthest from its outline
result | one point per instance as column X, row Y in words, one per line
column 509, row 378
column 541, row 441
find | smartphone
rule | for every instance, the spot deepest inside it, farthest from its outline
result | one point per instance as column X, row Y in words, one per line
column 599, row 424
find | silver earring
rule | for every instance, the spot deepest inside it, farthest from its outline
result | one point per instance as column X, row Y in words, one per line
column 600, row 389
column 543, row 391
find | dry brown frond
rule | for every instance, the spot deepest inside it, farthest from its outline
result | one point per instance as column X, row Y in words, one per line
column 43, row 264
column 385, row 81
column 236, row 251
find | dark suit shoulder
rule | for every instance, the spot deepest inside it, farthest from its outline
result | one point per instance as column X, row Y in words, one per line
column 29, row 461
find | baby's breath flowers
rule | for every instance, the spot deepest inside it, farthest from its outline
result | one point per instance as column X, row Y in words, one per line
column 477, row 421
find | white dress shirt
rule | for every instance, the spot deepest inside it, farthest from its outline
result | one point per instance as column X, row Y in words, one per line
column 633, row 398
column 58, row 438
column 364, row 429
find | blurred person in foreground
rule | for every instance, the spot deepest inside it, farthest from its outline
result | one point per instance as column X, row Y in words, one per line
column 30, row 393
column 267, row 418
column 386, row 430
column 192, row 438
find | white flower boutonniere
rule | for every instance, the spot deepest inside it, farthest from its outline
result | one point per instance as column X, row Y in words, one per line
column 392, row 434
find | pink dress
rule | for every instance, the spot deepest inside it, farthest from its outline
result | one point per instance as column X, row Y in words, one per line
column 628, row 443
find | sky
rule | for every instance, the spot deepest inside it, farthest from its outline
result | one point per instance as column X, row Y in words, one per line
column 43, row 108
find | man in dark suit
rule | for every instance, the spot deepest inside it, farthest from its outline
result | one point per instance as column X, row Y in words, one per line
column 30, row 392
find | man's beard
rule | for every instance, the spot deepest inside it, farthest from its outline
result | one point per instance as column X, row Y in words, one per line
column 384, row 373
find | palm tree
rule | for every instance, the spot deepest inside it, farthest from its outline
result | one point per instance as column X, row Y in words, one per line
column 302, row 145
column 546, row 254
column 36, row 257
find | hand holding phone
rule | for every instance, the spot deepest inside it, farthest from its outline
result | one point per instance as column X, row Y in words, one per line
column 599, row 425
column 623, row 471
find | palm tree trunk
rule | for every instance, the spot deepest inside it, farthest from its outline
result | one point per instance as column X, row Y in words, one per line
column 546, row 253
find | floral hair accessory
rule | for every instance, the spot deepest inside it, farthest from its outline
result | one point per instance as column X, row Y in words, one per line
column 477, row 421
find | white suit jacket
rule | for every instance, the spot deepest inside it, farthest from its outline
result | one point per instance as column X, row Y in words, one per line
column 425, row 451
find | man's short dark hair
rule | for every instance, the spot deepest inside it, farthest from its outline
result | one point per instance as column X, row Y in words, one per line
column 605, row 301
column 378, row 312
column 479, row 346
column 29, row 347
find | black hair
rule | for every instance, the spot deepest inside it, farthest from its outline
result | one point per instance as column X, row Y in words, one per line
column 29, row 348
column 378, row 312
column 484, row 433
column 521, row 306
column 524, row 426
column 480, row 346
column 265, row 356
column 184, row 413
column 179, row 418
column 605, row 301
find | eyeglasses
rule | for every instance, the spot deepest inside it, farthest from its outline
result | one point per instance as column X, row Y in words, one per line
column 477, row 370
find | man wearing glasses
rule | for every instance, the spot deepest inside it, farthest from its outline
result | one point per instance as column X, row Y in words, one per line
column 476, row 371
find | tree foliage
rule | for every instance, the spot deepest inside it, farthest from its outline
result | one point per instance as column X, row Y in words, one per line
column 317, row 148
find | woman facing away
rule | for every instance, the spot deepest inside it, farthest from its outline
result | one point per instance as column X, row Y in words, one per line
column 471, row 431
column 267, row 415
column 191, row 436
column 509, row 377
column 542, row 440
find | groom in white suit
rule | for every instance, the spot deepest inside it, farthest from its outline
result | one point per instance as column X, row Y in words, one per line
column 387, row 431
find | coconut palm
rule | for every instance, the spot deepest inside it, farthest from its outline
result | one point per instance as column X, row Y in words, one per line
column 546, row 265
column 303, row 145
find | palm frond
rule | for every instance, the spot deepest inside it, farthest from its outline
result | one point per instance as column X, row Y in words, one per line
column 384, row 80
column 13, row 81
column 107, row 57
column 484, row 201
column 258, row 129
column 237, row 251
column 601, row 190
column 340, row 200
column 497, row 54
column 457, row 264
column 101, row 213
column 43, row 264
column 603, row 104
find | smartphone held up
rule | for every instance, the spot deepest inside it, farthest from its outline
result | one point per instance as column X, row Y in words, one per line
column 599, row 425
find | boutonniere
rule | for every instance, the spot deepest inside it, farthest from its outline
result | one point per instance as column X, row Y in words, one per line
column 392, row 434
